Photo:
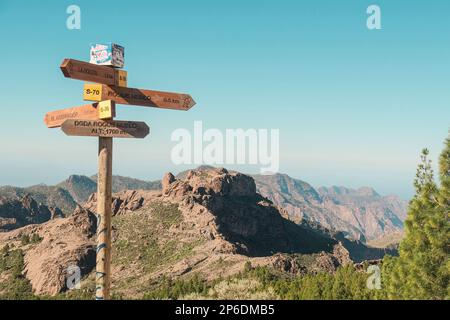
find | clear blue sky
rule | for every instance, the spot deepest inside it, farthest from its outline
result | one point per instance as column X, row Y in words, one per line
column 354, row 106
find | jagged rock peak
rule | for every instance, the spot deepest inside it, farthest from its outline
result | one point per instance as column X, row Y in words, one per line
column 209, row 181
column 167, row 180
column 78, row 178
column 17, row 212
column 84, row 219
column 30, row 204
column 122, row 202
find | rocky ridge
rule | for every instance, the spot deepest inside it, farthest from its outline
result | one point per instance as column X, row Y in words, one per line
column 360, row 214
column 210, row 223
column 21, row 211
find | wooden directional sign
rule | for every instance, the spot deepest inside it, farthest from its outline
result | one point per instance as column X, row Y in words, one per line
column 102, row 128
column 138, row 97
column 96, row 120
column 101, row 110
column 80, row 70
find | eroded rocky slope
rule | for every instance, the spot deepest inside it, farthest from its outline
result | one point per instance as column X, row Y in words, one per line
column 361, row 214
column 210, row 224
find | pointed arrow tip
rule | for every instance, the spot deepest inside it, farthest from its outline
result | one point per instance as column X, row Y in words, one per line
column 147, row 130
column 190, row 102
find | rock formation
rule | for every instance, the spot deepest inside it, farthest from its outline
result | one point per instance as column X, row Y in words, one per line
column 63, row 243
column 19, row 212
column 212, row 222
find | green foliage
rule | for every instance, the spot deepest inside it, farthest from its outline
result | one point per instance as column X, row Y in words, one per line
column 27, row 239
column 174, row 289
column 247, row 266
column 35, row 238
column 265, row 275
column 422, row 270
column 14, row 285
column 5, row 249
column 266, row 283
column 236, row 289
column 86, row 292
column 166, row 213
column 143, row 240
column 444, row 169
column 345, row 284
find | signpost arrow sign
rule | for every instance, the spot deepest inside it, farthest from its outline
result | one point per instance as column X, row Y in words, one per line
column 96, row 120
column 109, row 129
column 138, row 97
column 85, row 71
column 101, row 110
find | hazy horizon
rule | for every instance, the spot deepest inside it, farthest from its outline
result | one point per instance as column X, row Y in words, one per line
column 354, row 106
column 142, row 178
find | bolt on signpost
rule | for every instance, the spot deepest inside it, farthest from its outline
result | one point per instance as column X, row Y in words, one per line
column 97, row 120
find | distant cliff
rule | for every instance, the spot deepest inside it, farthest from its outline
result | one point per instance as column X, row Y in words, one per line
column 210, row 224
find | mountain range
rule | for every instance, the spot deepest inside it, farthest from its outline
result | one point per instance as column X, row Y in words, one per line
column 208, row 223
column 81, row 187
column 360, row 214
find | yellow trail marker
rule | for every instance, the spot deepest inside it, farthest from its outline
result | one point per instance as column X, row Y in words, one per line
column 106, row 109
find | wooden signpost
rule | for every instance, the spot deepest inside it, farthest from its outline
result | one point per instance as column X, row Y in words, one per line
column 101, row 110
column 104, row 202
column 97, row 120
column 80, row 70
column 138, row 97
column 101, row 128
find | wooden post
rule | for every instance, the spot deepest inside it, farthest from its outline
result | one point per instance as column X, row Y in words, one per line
column 98, row 120
column 104, row 200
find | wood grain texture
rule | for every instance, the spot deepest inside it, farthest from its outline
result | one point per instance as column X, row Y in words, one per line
column 105, row 128
column 56, row 118
column 104, row 201
column 85, row 71
column 96, row 111
column 138, row 97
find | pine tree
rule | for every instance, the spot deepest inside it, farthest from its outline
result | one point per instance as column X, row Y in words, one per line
column 442, row 220
column 422, row 269
column 444, row 170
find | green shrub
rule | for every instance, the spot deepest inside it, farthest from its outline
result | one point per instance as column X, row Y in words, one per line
column 35, row 238
column 25, row 239
column 174, row 289
column 14, row 285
